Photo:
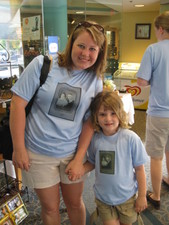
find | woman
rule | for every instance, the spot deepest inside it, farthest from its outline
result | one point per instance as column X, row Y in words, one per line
column 47, row 140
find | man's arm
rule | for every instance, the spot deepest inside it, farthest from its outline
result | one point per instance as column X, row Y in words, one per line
column 142, row 82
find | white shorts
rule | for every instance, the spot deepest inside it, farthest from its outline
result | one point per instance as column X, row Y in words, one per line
column 46, row 171
column 157, row 136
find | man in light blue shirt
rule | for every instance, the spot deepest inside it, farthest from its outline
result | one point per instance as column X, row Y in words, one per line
column 154, row 71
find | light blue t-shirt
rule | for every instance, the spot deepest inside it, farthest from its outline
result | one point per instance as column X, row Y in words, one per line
column 55, row 122
column 115, row 158
column 155, row 69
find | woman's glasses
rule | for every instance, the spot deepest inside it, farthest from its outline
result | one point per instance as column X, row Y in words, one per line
column 87, row 24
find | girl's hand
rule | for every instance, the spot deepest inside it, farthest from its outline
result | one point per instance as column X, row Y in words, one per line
column 141, row 204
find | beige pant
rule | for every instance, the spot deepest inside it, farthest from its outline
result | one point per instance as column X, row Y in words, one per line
column 124, row 212
column 46, row 171
column 157, row 136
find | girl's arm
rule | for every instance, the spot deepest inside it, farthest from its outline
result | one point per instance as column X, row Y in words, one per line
column 17, row 127
column 87, row 167
column 75, row 167
column 141, row 201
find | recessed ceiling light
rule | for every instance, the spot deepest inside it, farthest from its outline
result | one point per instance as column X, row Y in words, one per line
column 139, row 6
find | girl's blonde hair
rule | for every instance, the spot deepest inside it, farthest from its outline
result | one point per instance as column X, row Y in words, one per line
column 65, row 59
column 109, row 100
column 162, row 21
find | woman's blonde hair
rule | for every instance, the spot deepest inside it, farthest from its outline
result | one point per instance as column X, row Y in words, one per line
column 65, row 59
column 109, row 100
column 162, row 21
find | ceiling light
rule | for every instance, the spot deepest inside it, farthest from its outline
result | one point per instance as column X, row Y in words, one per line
column 139, row 6
column 79, row 12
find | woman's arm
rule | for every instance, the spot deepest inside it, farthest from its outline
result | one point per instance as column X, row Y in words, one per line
column 141, row 201
column 17, row 127
column 75, row 167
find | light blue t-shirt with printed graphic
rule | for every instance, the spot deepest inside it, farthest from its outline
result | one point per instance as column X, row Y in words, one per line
column 155, row 69
column 61, row 105
column 115, row 158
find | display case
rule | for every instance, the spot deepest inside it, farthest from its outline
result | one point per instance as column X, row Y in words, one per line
column 125, row 80
column 112, row 50
column 8, row 76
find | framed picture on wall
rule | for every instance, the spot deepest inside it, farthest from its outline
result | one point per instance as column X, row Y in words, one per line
column 143, row 31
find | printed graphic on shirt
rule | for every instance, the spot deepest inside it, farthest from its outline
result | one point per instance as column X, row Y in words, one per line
column 65, row 101
column 107, row 162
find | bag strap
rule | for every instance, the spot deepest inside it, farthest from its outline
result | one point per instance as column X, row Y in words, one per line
column 44, row 70
column 44, row 73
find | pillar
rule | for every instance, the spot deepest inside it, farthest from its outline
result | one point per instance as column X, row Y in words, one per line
column 55, row 20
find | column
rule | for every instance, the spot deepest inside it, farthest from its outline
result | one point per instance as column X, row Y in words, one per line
column 55, row 20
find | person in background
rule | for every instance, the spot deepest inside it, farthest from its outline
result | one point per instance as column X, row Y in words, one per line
column 47, row 140
column 118, row 156
column 154, row 71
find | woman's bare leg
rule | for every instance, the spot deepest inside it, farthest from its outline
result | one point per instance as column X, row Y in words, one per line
column 50, row 201
column 72, row 195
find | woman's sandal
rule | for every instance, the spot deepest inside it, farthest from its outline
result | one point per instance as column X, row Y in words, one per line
column 155, row 203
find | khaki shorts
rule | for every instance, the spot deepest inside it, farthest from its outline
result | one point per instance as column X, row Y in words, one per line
column 125, row 212
column 157, row 136
column 46, row 171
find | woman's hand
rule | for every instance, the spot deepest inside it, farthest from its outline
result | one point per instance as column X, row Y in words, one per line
column 20, row 159
column 75, row 170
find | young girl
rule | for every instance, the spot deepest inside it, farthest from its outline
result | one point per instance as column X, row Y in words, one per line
column 118, row 156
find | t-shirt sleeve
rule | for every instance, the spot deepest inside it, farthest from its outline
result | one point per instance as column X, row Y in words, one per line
column 139, row 154
column 145, row 70
column 29, row 81
column 91, row 152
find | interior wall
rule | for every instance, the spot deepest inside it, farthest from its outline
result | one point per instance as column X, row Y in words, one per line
column 164, row 7
column 131, row 49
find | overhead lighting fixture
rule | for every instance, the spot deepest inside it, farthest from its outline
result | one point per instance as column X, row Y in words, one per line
column 139, row 6
column 79, row 12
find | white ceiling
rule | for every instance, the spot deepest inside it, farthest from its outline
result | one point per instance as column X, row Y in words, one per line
column 149, row 5
column 123, row 5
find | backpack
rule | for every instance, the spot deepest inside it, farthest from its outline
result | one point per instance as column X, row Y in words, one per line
column 6, row 147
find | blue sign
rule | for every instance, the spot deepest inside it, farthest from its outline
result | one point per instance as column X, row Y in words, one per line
column 53, row 44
